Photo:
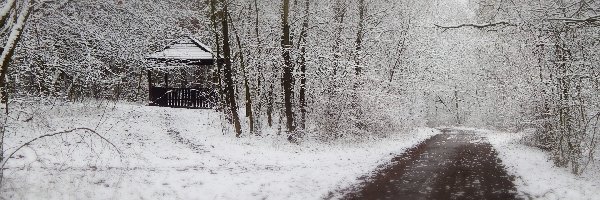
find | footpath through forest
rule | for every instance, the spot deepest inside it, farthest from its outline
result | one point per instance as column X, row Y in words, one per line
column 453, row 165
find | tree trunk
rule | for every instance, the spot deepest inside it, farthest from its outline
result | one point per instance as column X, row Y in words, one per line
column 217, row 81
column 359, row 36
column 303, row 43
column 6, row 12
column 260, row 93
column 357, row 64
column 247, row 96
column 11, row 45
column 227, row 71
column 270, row 106
column 5, row 58
column 287, row 78
column 456, row 106
column 340, row 14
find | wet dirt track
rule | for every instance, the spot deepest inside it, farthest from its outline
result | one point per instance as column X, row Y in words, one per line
column 452, row 165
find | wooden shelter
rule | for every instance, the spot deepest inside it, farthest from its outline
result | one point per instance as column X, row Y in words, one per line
column 181, row 75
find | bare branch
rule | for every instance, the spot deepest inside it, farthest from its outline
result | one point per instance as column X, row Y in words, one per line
column 5, row 11
column 479, row 26
column 13, row 39
column 7, row 158
column 576, row 20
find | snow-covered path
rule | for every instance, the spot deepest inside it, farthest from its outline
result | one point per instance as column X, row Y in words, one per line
column 454, row 165
column 535, row 175
column 481, row 164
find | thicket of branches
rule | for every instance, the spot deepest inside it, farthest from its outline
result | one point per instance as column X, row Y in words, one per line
column 563, row 50
column 95, row 49
column 294, row 66
column 312, row 66
column 75, row 50
column 542, row 59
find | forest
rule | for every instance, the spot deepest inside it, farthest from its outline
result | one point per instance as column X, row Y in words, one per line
column 293, row 76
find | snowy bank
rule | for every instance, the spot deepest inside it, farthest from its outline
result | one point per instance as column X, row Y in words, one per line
column 176, row 154
column 536, row 175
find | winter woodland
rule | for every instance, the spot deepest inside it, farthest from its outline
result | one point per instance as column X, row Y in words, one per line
column 305, row 87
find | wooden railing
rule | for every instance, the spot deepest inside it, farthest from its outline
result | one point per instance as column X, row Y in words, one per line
column 198, row 98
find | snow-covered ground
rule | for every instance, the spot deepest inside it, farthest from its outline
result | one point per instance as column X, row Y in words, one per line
column 165, row 153
column 536, row 175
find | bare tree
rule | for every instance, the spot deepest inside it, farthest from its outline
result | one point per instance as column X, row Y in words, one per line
column 13, row 39
column 227, row 70
column 359, row 36
column 303, row 43
column 287, row 81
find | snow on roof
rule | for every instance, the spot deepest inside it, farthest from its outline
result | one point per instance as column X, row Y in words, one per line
column 185, row 49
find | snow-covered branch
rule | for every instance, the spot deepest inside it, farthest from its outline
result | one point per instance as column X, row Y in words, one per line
column 577, row 20
column 10, row 4
column 7, row 158
column 13, row 39
column 503, row 23
column 479, row 26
